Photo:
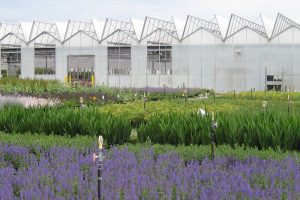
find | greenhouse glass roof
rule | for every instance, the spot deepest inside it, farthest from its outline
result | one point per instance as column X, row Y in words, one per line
column 118, row 32
column 159, row 31
column 11, row 34
column 74, row 27
column 283, row 23
column 238, row 23
column 194, row 24
column 44, row 33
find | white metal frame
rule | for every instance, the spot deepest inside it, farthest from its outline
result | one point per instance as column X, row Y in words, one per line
column 193, row 24
column 74, row 27
column 283, row 23
column 237, row 23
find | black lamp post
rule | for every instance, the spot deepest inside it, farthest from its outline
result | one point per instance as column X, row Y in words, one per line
column 214, row 126
column 100, row 160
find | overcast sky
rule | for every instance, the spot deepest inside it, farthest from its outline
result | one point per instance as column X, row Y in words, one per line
column 58, row 10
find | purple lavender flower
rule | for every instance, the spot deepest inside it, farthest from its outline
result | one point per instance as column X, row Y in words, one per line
column 66, row 173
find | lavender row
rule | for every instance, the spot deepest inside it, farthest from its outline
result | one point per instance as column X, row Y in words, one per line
column 66, row 173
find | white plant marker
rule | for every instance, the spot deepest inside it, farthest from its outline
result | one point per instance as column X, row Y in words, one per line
column 100, row 140
column 201, row 112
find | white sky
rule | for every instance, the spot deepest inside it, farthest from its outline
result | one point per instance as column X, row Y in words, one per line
column 29, row 10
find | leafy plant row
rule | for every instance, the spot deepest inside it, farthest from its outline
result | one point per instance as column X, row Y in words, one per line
column 253, row 129
column 36, row 142
column 259, row 129
column 49, row 87
column 65, row 121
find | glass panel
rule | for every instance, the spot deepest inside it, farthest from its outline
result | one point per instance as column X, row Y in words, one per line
column 44, row 61
column 159, row 60
column 11, row 62
column 119, row 60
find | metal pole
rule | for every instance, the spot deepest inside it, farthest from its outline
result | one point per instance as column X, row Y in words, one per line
column 100, row 172
column 234, row 94
column 289, row 104
column 144, row 101
column 100, row 160
column 213, row 136
column 214, row 97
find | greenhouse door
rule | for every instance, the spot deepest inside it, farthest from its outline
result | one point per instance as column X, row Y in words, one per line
column 81, row 69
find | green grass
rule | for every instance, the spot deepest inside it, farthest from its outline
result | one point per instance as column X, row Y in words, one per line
column 47, row 141
column 199, row 152
column 192, row 152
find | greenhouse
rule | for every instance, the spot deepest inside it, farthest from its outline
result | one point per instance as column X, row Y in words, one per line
column 217, row 53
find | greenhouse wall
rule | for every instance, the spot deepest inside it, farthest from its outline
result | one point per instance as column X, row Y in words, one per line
column 27, row 62
column 285, row 58
column 243, row 59
column 139, row 65
column 241, row 62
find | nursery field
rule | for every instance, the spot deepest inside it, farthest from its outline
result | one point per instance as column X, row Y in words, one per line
column 157, row 143
column 50, row 167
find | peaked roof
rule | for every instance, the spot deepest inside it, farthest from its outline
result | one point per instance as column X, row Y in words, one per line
column 283, row 23
column 193, row 24
column 44, row 33
column 11, row 34
column 238, row 23
column 118, row 32
column 80, row 26
column 159, row 31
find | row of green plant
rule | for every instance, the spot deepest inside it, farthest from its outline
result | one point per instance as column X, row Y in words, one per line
column 261, row 95
column 262, row 129
column 135, row 110
column 191, row 152
column 40, row 140
column 65, row 121
column 253, row 129
column 53, row 89
column 50, row 87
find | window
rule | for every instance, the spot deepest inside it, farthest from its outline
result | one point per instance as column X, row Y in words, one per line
column 10, row 61
column 119, row 60
column 44, row 61
column 270, row 77
column 159, row 60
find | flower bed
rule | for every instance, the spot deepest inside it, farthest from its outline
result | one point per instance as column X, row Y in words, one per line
column 66, row 173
